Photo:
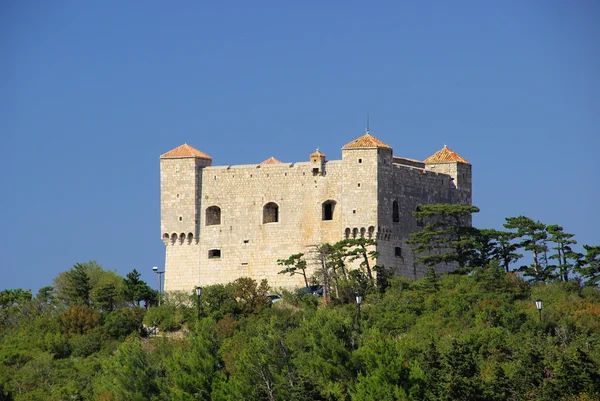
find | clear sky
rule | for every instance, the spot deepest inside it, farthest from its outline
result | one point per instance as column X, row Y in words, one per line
column 92, row 92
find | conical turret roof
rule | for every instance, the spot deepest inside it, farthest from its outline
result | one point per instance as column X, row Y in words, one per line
column 366, row 141
column 445, row 155
column 317, row 153
column 270, row 160
column 185, row 150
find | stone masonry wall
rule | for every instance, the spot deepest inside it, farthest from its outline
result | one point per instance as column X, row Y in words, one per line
column 362, row 186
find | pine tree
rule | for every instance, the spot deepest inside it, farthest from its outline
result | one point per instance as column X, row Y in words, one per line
column 532, row 236
column 564, row 255
column 589, row 265
column 448, row 236
column 76, row 288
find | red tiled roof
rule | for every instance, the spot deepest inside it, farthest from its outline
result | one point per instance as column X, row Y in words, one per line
column 317, row 153
column 185, row 150
column 366, row 141
column 446, row 155
column 270, row 160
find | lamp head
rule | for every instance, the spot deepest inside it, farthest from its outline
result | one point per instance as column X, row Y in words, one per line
column 359, row 299
column 538, row 304
column 198, row 291
column 155, row 269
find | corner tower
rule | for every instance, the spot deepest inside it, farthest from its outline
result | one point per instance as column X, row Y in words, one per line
column 362, row 159
column 180, row 191
column 449, row 162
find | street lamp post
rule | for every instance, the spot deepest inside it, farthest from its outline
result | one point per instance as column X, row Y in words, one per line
column 198, row 294
column 539, row 305
column 358, row 302
column 155, row 269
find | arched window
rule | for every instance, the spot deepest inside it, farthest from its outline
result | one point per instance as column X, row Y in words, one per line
column 328, row 208
column 354, row 232
column 371, row 231
column 347, row 232
column 362, row 232
column 213, row 216
column 419, row 220
column 395, row 212
column 173, row 238
column 165, row 236
column 190, row 237
column 270, row 213
column 181, row 238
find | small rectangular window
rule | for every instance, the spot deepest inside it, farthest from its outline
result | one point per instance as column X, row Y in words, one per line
column 398, row 252
column 315, row 171
column 214, row 254
column 360, row 160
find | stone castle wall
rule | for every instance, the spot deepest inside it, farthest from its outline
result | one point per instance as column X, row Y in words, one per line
column 362, row 187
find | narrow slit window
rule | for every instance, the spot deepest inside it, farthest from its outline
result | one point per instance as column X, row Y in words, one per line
column 395, row 212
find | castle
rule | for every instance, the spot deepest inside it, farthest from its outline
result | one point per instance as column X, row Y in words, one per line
column 223, row 222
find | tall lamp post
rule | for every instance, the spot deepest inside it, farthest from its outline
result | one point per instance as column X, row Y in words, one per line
column 539, row 305
column 358, row 302
column 198, row 294
column 155, row 269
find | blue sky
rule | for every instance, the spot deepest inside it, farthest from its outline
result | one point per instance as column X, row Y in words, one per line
column 91, row 93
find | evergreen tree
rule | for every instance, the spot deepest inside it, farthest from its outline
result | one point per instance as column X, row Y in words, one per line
column 76, row 287
column 295, row 264
column 505, row 248
column 448, row 237
column 357, row 248
column 589, row 265
column 136, row 290
column 532, row 237
column 564, row 256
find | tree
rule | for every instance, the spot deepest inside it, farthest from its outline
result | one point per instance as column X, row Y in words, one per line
column 505, row 249
column 295, row 264
column 564, row 253
column 589, row 265
column 448, row 237
column 74, row 285
column 129, row 375
column 532, row 235
column 17, row 296
column 105, row 297
column 357, row 248
column 136, row 290
column 251, row 297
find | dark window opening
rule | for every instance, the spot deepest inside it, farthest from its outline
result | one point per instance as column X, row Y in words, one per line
column 328, row 208
column 398, row 252
column 347, row 232
column 354, row 233
column 315, row 171
column 360, row 160
column 371, row 231
column 395, row 212
column 362, row 232
column 270, row 213
column 246, row 241
column 214, row 254
column 213, row 216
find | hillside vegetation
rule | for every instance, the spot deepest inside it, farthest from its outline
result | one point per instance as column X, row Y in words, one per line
column 472, row 335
